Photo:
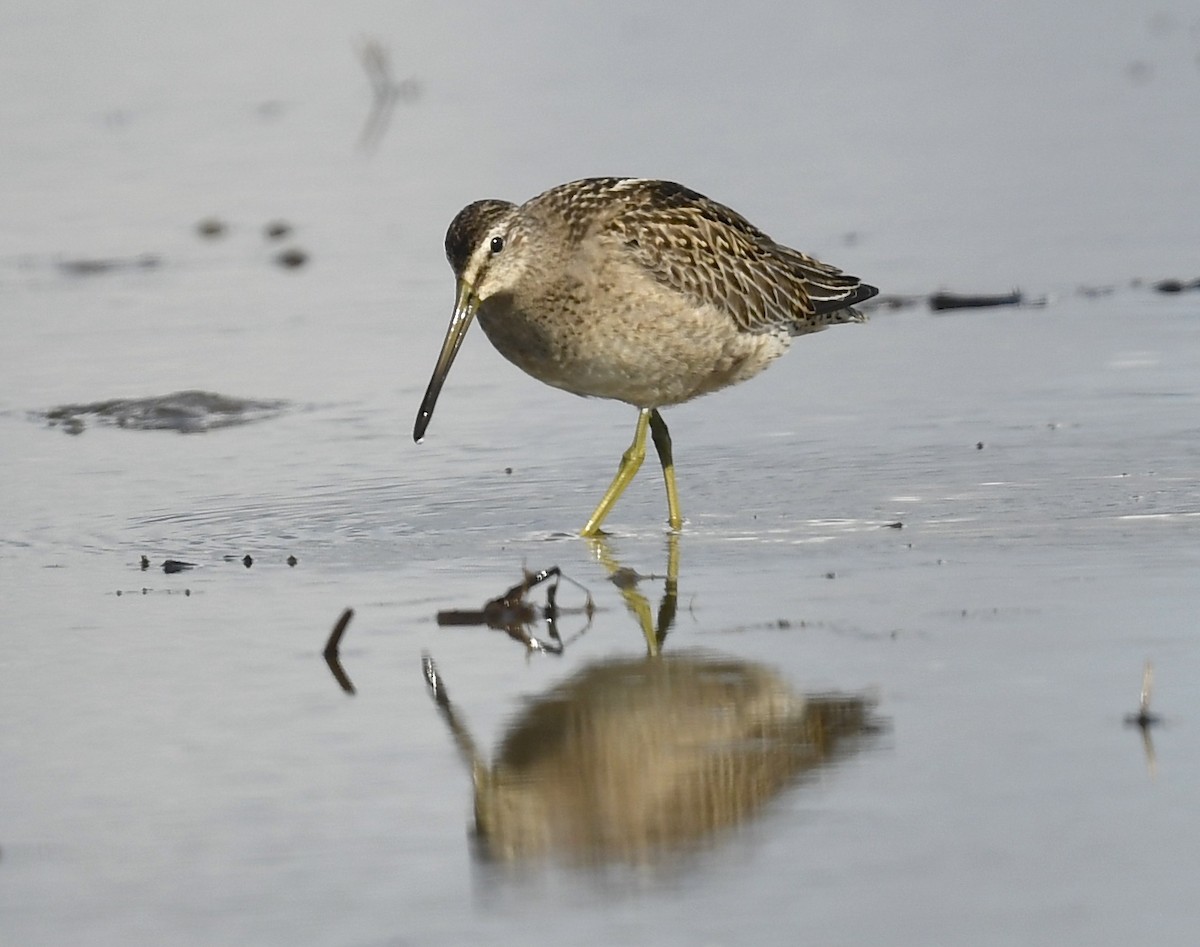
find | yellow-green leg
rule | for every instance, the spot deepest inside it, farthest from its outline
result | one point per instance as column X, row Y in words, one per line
column 631, row 461
column 662, row 443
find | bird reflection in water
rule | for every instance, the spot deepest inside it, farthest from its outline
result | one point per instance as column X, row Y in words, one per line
column 634, row 759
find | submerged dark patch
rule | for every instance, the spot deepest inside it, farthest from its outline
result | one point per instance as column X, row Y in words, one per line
column 187, row 412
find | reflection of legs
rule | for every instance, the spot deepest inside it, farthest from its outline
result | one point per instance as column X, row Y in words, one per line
column 666, row 608
column 662, row 443
column 627, row 581
column 631, row 460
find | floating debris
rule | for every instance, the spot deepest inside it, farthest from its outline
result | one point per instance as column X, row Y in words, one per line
column 891, row 302
column 271, row 109
column 331, row 651
column 291, row 258
column 1176, row 285
column 940, row 302
column 511, row 613
column 385, row 91
column 211, row 228
column 623, row 577
column 187, row 412
column 1144, row 718
column 94, row 266
column 277, row 229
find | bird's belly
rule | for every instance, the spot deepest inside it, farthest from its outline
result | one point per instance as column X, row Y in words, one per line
column 645, row 357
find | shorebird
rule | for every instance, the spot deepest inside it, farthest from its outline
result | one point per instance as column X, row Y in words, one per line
column 638, row 290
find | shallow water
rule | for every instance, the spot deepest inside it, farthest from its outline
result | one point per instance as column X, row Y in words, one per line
column 179, row 765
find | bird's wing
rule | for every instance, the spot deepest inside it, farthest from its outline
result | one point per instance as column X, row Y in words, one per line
column 718, row 258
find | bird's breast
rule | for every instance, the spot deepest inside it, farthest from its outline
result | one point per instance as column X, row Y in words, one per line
column 647, row 349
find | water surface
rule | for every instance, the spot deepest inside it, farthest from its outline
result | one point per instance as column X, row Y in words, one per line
column 179, row 766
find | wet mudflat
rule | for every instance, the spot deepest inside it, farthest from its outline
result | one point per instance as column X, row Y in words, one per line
column 857, row 731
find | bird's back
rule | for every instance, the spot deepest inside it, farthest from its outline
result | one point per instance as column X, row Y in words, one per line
column 705, row 251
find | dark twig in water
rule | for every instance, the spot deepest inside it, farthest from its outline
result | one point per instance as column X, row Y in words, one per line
column 212, row 227
column 891, row 302
column 84, row 266
column 292, row 258
column 1144, row 718
column 1175, row 285
column 939, row 302
column 511, row 613
column 331, row 651
column 277, row 229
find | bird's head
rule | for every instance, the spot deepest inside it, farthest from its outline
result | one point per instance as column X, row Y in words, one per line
column 480, row 244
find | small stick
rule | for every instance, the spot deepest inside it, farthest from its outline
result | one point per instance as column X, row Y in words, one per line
column 1144, row 718
column 331, row 652
column 335, row 636
column 385, row 91
column 511, row 613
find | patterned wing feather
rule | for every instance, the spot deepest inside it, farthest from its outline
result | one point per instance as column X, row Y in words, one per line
column 717, row 257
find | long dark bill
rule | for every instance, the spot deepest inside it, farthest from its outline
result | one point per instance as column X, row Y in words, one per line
column 464, row 311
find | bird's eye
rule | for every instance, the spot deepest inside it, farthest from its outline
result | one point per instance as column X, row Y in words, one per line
column 497, row 244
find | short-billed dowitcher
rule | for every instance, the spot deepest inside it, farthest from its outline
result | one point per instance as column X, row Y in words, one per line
column 637, row 290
